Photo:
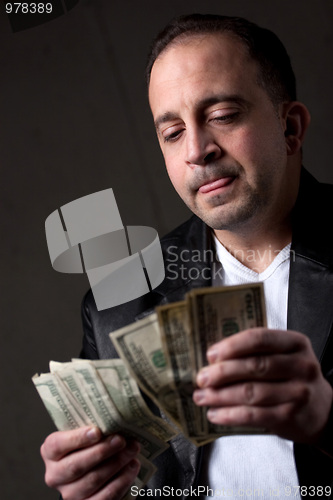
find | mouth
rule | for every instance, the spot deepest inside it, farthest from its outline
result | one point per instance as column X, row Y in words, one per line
column 217, row 184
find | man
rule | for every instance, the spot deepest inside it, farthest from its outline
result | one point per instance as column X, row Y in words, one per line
column 223, row 99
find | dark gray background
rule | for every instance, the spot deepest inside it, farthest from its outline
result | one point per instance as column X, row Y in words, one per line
column 74, row 120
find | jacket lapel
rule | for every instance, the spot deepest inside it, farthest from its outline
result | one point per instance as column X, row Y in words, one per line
column 310, row 308
column 310, row 304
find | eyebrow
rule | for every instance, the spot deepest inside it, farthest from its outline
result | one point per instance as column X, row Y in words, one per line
column 204, row 103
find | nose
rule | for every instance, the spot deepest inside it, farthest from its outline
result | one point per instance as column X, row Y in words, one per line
column 201, row 148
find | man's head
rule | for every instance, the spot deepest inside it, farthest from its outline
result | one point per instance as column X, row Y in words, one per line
column 230, row 135
column 275, row 72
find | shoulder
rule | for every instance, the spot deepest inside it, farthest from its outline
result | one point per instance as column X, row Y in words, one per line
column 183, row 233
column 98, row 324
column 312, row 189
column 312, row 238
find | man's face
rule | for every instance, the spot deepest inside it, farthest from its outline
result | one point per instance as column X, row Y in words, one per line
column 221, row 136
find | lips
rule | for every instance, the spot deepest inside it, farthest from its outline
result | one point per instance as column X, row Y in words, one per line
column 218, row 183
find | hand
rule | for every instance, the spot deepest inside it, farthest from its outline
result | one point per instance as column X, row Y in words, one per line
column 83, row 464
column 266, row 378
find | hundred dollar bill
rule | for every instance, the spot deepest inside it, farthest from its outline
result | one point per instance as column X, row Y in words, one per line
column 140, row 347
column 69, row 379
column 67, row 417
column 217, row 313
column 121, row 388
column 96, row 396
column 60, row 408
column 126, row 395
column 175, row 328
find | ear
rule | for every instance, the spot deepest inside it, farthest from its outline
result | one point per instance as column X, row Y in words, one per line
column 296, row 119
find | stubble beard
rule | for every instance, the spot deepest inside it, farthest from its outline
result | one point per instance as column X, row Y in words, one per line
column 233, row 212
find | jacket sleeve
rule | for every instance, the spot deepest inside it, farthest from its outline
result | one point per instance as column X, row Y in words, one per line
column 89, row 349
column 326, row 443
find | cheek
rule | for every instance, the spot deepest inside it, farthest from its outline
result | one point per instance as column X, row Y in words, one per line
column 247, row 147
column 175, row 173
column 259, row 148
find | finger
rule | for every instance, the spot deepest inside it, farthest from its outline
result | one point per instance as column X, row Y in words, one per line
column 270, row 418
column 97, row 478
column 118, row 487
column 253, row 394
column 257, row 340
column 260, row 367
column 59, row 444
column 78, row 464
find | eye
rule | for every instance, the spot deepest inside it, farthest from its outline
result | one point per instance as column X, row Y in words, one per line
column 224, row 115
column 171, row 134
column 225, row 118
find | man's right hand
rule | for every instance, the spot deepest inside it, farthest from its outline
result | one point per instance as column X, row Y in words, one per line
column 83, row 464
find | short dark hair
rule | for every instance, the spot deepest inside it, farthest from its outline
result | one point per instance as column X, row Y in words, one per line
column 276, row 75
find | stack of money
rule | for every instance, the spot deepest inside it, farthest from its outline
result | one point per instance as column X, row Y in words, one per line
column 162, row 353
column 102, row 393
column 165, row 351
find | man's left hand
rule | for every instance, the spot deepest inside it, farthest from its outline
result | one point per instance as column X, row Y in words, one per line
column 266, row 378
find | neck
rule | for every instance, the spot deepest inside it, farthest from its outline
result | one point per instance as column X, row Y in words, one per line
column 256, row 249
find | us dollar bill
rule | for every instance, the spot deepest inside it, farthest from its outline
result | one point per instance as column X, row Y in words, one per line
column 216, row 313
column 93, row 392
column 71, row 406
column 140, row 347
column 127, row 398
column 179, row 334
column 62, row 410
column 65, row 416
column 174, row 321
column 163, row 354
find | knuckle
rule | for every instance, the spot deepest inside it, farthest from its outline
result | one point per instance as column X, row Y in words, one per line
column 116, row 490
column 303, row 394
column 221, row 369
column 305, row 341
column 49, row 480
column 99, row 456
column 124, row 458
column 311, row 369
column 257, row 365
column 42, row 451
column 93, row 481
column 289, row 412
column 74, row 467
column 249, row 393
column 50, row 447
column 248, row 416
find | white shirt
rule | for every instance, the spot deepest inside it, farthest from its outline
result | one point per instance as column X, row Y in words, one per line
column 255, row 466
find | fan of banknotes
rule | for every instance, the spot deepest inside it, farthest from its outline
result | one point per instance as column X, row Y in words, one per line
column 165, row 351
column 103, row 393
column 161, row 354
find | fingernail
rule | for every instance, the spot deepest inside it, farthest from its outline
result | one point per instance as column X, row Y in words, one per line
column 202, row 378
column 117, row 440
column 93, row 434
column 198, row 396
column 212, row 414
column 212, row 355
column 134, row 464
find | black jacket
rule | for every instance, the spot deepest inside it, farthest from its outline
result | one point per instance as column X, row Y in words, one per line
column 310, row 311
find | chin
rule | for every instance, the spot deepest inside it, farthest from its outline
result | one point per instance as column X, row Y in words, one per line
column 221, row 218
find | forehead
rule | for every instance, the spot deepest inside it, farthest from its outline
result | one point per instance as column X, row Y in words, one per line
column 199, row 65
